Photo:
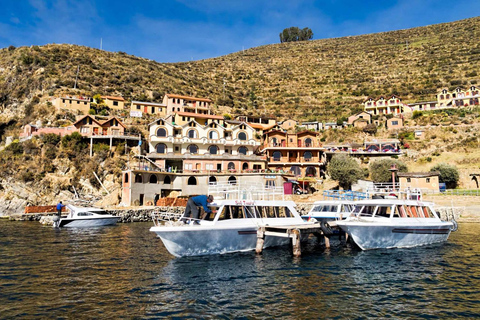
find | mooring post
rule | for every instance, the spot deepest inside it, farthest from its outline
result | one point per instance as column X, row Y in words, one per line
column 260, row 239
column 297, row 250
column 327, row 242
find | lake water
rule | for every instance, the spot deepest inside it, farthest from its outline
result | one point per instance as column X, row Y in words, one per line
column 125, row 272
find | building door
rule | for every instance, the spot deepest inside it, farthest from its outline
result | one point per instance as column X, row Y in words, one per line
column 142, row 197
column 219, row 167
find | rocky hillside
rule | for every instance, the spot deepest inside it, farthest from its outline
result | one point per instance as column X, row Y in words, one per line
column 320, row 79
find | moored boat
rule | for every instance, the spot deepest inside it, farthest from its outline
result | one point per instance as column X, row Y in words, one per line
column 86, row 217
column 232, row 228
column 330, row 210
column 394, row 223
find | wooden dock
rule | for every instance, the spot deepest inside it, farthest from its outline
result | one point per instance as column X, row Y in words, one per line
column 293, row 232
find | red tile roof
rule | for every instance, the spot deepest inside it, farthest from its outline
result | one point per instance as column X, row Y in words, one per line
column 169, row 95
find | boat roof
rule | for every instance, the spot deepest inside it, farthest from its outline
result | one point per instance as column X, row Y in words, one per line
column 334, row 202
column 393, row 202
column 83, row 209
column 249, row 202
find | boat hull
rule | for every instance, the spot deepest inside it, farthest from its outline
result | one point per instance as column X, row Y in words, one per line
column 85, row 223
column 198, row 240
column 368, row 235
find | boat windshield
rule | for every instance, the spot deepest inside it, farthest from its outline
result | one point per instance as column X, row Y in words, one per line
column 373, row 210
column 242, row 212
column 88, row 213
column 325, row 208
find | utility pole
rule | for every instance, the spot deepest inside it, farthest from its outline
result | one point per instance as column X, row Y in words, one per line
column 101, row 43
column 76, row 78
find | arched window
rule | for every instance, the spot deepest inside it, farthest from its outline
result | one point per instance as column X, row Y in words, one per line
column 242, row 150
column 138, row 178
column 308, row 142
column 212, row 134
column 193, row 149
column 126, row 177
column 242, row 136
column 311, row 172
column 192, row 181
column 307, row 155
column 296, row 171
column 212, row 180
column 274, row 142
column 153, row 178
column 213, row 150
column 167, row 180
column 232, row 180
column 277, row 155
column 161, row 132
column 245, row 166
column 161, row 148
column 192, row 133
column 231, row 166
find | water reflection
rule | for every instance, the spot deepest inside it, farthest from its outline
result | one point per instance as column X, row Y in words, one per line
column 124, row 271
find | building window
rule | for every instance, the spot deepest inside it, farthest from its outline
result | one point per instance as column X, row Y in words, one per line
column 245, row 166
column 212, row 180
column 192, row 181
column 193, row 149
column 167, row 180
column 394, row 123
column 126, row 178
column 153, row 178
column 242, row 136
column 409, row 180
column 277, row 155
column 296, row 171
column 428, row 180
column 232, row 180
column 242, row 150
column 213, row 134
column 115, row 103
column 161, row 132
column 161, row 148
column 307, row 155
column 192, row 133
column 231, row 166
column 213, row 150
column 308, row 142
column 138, row 178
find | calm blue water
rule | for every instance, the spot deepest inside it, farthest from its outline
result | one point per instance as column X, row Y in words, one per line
column 125, row 272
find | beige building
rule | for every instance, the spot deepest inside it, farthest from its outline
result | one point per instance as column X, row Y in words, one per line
column 459, row 97
column 361, row 115
column 288, row 124
column 179, row 103
column 382, row 106
column 81, row 104
column 143, row 107
column 115, row 103
column 394, row 123
column 419, row 180
column 89, row 126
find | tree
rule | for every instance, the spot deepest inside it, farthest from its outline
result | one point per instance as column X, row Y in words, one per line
column 295, row 34
column 448, row 174
column 370, row 128
column 345, row 170
column 380, row 169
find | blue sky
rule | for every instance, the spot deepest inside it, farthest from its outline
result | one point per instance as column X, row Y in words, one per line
column 183, row 30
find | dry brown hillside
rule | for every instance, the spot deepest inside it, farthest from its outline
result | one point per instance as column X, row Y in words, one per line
column 320, row 79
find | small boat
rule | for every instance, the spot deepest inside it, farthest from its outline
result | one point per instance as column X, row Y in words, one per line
column 395, row 223
column 86, row 217
column 232, row 228
column 330, row 210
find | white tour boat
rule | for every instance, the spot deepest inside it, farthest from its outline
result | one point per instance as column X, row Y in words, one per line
column 394, row 223
column 330, row 210
column 86, row 217
column 232, row 228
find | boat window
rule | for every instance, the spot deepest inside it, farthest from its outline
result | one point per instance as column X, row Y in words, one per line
column 325, row 208
column 383, row 211
column 210, row 216
column 428, row 213
column 83, row 214
column 365, row 211
column 347, row 207
column 249, row 212
column 409, row 212
column 231, row 212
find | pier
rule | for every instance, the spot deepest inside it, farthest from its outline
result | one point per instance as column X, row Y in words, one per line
column 295, row 233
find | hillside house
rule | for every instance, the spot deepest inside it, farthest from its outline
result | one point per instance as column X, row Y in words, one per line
column 394, row 123
column 89, row 126
column 361, row 115
column 419, row 180
column 143, row 107
column 382, row 106
column 114, row 103
column 179, row 103
column 288, row 125
column 79, row 104
column 459, row 97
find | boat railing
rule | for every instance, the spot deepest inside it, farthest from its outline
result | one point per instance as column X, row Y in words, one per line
column 161, row 217
column 245, row 191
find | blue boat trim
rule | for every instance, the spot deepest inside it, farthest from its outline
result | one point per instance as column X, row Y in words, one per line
column 421, row 231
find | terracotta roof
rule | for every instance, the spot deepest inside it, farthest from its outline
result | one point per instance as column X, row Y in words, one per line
column 169, row 95
column 119, row 122
column 88, row 116
column 260, row 126
column 113, row 98
column 149, row 103
column 199, row 115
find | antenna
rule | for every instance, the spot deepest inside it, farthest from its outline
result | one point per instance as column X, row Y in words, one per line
column 76, row 78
